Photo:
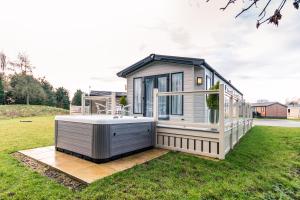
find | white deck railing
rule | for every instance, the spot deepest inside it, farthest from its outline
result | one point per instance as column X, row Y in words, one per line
column 203, row 138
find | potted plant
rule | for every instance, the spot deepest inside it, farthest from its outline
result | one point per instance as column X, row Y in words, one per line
column 212, row 102
column 123, row 101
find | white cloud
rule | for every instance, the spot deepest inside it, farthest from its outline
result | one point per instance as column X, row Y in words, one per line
column 79, row 43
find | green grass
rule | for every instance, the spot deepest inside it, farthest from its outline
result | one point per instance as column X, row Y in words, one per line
column 264, row 165
column 14, row 111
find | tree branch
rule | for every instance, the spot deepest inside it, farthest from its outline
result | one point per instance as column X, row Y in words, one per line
column 245, row 9
column 264, row 10
column 274, row 18
column 228, row 3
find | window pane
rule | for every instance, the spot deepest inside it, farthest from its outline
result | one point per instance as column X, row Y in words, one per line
column 208, row 82
column 137, row 90
column 177, row 100
column 162, row 100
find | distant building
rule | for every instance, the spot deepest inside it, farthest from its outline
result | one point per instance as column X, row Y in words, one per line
column 293, row 112
column 269, row 110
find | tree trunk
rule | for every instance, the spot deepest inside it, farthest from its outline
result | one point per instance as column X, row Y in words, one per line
column 27, row 99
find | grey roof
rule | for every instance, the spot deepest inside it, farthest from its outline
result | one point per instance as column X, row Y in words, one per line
column 294, row 105
column 264, row 104
column 106, row 93
column 172, row 59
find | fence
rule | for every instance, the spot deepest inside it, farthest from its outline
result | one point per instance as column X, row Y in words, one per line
column 198, row 130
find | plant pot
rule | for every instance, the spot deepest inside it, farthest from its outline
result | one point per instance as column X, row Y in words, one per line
column 214, row 116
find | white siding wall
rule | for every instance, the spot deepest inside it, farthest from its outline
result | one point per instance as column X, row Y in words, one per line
column 194, row 109
column 200, row 110
column 167, row 68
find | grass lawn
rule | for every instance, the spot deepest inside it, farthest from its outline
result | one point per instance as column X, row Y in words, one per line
column 265, row 165
column 13, row 111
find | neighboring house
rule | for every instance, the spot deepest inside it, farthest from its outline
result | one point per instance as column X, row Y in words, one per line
column 171, row 73
column 269, row 110
column 293, row 112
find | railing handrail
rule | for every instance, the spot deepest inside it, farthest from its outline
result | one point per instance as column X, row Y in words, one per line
column 188, row 92
column 188, row 124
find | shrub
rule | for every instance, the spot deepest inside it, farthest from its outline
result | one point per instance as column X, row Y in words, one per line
column 62, row 98
column 76, row 101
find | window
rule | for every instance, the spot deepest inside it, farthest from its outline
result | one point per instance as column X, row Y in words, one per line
column 208, row 82
column 137, row 96
column 289, row 111
column 163, row 101
column 177, row 101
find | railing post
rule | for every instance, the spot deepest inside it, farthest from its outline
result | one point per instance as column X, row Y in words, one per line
column 244, row 116
column 83, row 103
column 221, row 122
column 113, row 103
column 237, row 118
column 231, row 120
column 155, row 104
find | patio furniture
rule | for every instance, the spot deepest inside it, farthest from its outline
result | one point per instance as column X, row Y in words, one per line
column 102, row 108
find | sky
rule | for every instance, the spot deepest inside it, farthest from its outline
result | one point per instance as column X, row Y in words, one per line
column 83, row 44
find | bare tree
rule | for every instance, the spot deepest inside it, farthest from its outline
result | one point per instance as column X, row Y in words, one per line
column 263, row 17
column 22, row 63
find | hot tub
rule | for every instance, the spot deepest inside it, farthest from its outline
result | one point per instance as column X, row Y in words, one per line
column 102, row 138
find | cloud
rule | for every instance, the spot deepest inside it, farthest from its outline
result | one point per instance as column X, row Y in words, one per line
column 107, row 37
column 142, row 47
column 177, row 34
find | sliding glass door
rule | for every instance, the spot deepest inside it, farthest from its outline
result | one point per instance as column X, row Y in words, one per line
column 148, row 99
column 162, row 83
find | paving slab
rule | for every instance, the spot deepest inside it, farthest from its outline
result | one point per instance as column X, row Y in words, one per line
column 87, row 171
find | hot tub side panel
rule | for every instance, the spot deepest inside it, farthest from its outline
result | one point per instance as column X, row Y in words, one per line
column 101, row 141
column 130, row 137
column 74, row 137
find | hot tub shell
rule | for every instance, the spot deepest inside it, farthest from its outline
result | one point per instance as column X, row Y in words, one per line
column 101, row 140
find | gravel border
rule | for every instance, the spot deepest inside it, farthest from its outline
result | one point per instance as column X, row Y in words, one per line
column 50, row 172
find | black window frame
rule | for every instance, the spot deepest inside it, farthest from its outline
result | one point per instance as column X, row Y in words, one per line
column 155, row 78
column 133, row 111
column 182, row 89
